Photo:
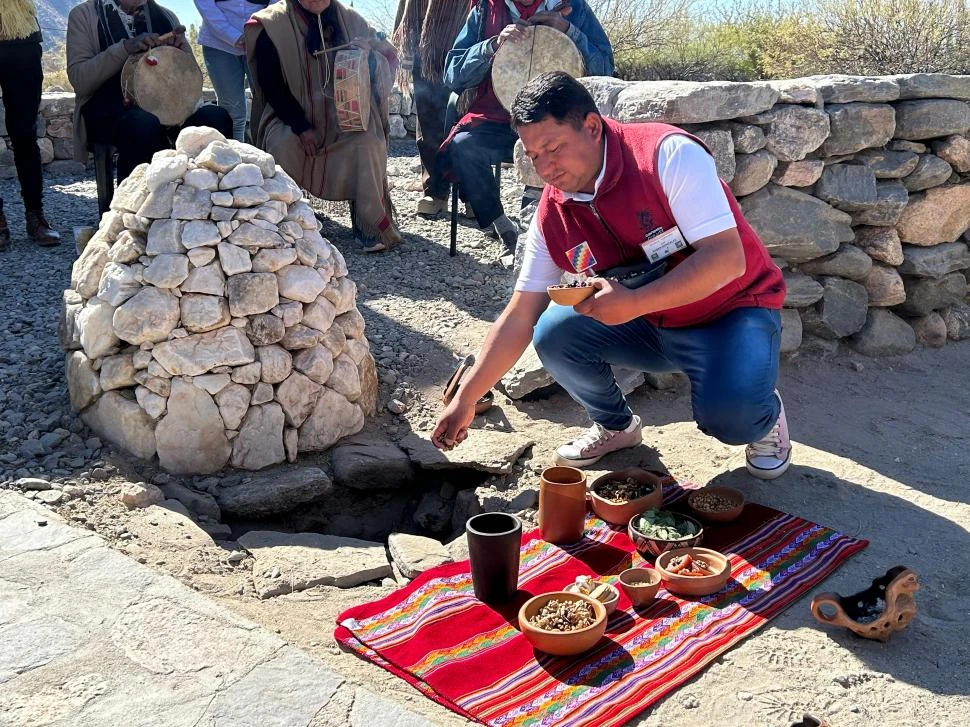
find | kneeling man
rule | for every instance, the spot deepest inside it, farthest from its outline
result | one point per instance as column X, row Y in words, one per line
column 683, row 283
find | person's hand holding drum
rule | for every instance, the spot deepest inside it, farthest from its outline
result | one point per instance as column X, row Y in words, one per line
column 514, row 32
column 141, row 43
column 554, row 18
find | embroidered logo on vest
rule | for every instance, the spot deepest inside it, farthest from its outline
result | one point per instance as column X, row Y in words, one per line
column 581, row 257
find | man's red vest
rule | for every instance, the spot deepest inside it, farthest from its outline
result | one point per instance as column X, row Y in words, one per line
column 629, row 205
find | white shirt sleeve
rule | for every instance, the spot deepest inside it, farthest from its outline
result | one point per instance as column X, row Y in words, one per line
column 695, row 195
column 538, row 270
column 694, row 192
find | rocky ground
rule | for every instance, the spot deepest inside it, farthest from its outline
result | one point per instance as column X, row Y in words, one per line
column 882, row 454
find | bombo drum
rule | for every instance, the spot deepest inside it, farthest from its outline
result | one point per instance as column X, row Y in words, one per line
column 164, row 81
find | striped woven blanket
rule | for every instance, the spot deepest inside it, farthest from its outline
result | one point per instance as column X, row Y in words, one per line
column 471, row 658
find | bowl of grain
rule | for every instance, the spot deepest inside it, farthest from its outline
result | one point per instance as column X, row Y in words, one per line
column 618, row 496
column 716, row 504
column 562, row 623
column 640, row 585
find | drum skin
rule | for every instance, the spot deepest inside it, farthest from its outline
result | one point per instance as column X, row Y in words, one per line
column 163, row 81
column 544, row 49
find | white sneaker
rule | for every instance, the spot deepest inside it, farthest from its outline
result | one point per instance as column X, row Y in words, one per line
column 597, row 442
column 770, row 456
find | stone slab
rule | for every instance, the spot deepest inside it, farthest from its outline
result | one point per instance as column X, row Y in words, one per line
column 484, row 450
column 414, row 554
column 92, row 638
column 274, row 492
column 288, row 562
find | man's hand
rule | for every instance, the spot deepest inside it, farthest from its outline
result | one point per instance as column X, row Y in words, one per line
column 452, row 427
column 612, row 304
column 141, row 43
column 308, row 140
column 552, row 18
column 178, row 40
column 512, row 33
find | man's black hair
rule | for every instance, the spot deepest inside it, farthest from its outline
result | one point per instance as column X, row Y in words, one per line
column 554, row 94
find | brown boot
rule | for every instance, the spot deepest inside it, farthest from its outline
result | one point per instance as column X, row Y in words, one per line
column 40, row 231
column 4, row 233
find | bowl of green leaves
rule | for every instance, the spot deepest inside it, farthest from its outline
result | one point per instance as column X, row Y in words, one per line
column 657, row 531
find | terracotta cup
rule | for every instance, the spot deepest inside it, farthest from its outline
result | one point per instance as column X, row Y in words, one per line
column 493, row 551
column 562, row 505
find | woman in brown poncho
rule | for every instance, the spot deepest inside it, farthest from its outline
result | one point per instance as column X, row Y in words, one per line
column 291, row 48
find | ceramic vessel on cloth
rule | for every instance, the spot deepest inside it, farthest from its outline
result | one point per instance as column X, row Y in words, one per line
column 620, row 513
column 886, row 606
column 609, row 603
column 562, row 505
column 562, row 643
column 640, row 585
column 653, row 547
column 494, row 539
column 695, row 585
column 695, row 501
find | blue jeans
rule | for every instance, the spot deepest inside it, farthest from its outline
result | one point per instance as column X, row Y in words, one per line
column 732, row 364
column 229, row 74
column 472, row 155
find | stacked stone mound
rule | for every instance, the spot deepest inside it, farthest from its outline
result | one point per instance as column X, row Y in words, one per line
column 209, row 322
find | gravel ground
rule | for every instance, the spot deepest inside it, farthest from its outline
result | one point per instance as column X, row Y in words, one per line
column 881, row 453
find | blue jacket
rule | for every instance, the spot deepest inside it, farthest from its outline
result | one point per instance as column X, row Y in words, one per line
column 470, row 59
column 223, row 20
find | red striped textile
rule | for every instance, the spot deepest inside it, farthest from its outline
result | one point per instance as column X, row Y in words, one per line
column 471, row 658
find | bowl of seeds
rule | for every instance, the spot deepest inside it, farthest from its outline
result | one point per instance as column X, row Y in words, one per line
column 640, row 585
column 618, row 496
column 657, row 531
column 716, row 504
column 570, row 293
column 562, row 623
column 693, row 571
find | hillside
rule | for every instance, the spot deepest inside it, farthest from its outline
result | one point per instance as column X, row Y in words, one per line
column 53, row 17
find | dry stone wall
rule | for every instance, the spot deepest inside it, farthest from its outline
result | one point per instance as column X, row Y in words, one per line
column 209, row 322
column 858, row 186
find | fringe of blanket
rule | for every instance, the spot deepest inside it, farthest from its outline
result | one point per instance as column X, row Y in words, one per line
column 18, row 19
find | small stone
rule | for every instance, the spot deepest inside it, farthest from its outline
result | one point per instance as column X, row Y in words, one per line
column 201, row 256
column 233, row 401
column 930, row 171
column 203, row 352
column 957, row 319
column 191, row 203
column 206, row 280
column 248, row 374
column 159, row 202
column 219, row 157
column 242, row 175
column 885, row 286
column 884, row 334
column 262, row 394
column 291, row 439
column 798, row 174
column 249, row 196
column 847, row 262
column 297, row 282
column 841, row 311
column 260, row 440
column 316, row 362
column 192, row 140
column 396, row 406
column 880, row 243
column 149, row 316
column 300, row 337
column 202, row 313
column 924, row 295
column 140, row 495
column 164, row 236
column 271, row 260
column 930, row 330
column 802, row 290
column 167, row 271
column 201, row 179
column 117, row 372
column 414, row 554
column 251, row 293
column 276, row 363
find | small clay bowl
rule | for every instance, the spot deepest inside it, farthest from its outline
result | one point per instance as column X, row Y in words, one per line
column 568, row 294
column 620, row 513
column 640, row 595
column 609, row 604
column 653, row 547
column 695, row 585
column 562, row 643
column 717, row 516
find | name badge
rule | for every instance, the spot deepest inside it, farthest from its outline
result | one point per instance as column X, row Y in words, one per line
column 661, row 246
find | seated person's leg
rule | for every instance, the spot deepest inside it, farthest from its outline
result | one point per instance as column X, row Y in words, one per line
column 472, row 154
column 136, row 134
column 215, row 117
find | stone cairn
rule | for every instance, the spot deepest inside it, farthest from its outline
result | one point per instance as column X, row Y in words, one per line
column 209, row 322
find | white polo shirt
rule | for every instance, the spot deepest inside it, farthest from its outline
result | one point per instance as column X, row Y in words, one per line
column 689, row 179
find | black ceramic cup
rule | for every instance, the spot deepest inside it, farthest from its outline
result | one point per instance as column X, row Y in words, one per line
column 493, row 550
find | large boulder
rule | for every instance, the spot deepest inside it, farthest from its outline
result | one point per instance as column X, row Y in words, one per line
column 935, row 261
column 924, row 295
column 932, row 85
column 191, row 437
column 838, row 88
column 930, row 171
column 691, row 102
column 884, row 334
column 891, row 199
column 795, row 131
column 858, row 126
column 795, row 226
column 752, row 172
column 841, row 311
column 937, row 215
column 847, row 262
column 931, row 118
column 884, row 286
column 848, row 187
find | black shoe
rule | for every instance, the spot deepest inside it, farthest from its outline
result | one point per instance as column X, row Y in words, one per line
column 510, row 239
column 40, row 231
column 4, row 233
